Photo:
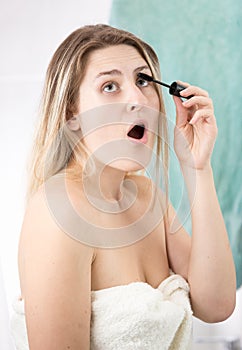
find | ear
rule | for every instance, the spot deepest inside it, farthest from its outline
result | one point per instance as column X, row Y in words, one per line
column 73, row 123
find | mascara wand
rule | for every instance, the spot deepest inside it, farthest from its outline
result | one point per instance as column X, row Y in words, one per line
column 174, row 88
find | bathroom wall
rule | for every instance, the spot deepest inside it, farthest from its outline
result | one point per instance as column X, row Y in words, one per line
column 200, row 42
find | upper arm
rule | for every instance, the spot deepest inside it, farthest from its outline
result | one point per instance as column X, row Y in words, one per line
column 178, row 243
column 55, row 282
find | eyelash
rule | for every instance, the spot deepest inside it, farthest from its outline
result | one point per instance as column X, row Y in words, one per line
column 117, row 85
column 143, row 80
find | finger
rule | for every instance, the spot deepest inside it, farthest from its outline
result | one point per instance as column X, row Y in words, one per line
column 184, row 83
column 201, row 101
column 193, row 90
column 181, row 112
column 205, row 114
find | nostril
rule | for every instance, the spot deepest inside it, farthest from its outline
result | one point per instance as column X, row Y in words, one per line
column 132, row 107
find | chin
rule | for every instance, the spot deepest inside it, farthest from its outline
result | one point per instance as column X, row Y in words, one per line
column 126, row 165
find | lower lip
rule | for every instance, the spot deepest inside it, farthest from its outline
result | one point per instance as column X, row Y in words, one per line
column 143, row 140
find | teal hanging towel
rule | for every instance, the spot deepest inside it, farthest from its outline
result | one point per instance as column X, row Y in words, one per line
column 200, row 42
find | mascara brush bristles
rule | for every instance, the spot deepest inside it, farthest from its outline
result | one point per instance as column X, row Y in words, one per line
column 149, row 78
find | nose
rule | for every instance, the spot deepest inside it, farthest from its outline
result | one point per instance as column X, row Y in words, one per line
column 133, row 107
column 135, row 99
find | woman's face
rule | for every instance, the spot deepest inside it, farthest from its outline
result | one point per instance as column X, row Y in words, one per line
column 118, row 111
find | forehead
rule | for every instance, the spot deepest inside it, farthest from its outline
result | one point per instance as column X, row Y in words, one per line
column 118, row 56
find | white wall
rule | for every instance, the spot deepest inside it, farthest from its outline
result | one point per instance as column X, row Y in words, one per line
column 30, row 31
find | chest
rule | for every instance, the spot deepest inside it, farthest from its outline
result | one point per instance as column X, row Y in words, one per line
column 145, row 260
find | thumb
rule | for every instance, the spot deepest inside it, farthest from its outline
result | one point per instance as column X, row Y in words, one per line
column 181, row 112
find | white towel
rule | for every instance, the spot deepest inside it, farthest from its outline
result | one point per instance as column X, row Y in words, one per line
column 137, row 316
column 131, row 317
column 18, row 325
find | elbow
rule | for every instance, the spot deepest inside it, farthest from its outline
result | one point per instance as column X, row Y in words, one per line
column 225, row 310
column 218, row 311
column 219, row 316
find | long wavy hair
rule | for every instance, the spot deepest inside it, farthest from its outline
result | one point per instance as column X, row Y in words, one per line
column 53, row 147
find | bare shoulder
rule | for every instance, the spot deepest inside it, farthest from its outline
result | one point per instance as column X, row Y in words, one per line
column 41, row 225
column 55, row 274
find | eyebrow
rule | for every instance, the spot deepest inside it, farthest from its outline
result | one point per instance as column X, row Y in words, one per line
column 118, row 72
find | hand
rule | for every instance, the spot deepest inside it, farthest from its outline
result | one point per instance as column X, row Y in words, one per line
column 196, row 129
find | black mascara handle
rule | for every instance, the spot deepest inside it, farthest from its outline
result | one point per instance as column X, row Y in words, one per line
column 176, row 88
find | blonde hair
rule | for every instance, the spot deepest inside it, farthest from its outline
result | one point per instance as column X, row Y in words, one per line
column 53, row 146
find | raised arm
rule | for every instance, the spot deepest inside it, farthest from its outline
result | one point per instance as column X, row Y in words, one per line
column 55, row 273
column 206, row 259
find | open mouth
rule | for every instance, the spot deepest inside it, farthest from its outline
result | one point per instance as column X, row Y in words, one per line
column 137, row 131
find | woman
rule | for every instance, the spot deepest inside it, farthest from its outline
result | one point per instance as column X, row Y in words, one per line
column 99, row 266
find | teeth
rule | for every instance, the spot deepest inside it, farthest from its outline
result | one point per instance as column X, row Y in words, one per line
column 137, row 132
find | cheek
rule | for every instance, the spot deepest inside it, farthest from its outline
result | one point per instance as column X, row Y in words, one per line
column 103, row 136
column 153, row 99
column 156, row 103
column 88, row 101
column 151, row 140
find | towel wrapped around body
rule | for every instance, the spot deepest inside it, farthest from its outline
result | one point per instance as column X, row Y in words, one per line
column 134, row 316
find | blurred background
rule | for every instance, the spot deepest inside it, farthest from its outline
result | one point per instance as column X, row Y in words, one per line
column 198, row 42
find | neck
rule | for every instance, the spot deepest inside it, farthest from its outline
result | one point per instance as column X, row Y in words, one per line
column 105, row 183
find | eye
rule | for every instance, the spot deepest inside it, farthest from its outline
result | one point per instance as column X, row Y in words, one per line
column 110, row 87
column 142, row 82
